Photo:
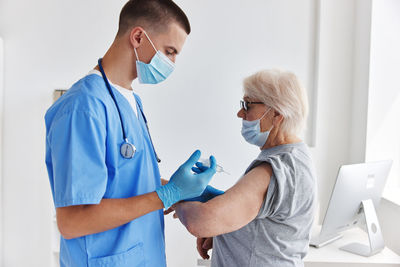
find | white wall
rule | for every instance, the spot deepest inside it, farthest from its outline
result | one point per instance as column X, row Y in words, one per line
column 50, row 44
column 384, row 110
column 1, row 147
column 206, row 87
column 335, row 72
column 361, row 67
column 384, row 89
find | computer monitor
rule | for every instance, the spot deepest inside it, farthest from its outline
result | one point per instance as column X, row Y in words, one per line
column 356, row 194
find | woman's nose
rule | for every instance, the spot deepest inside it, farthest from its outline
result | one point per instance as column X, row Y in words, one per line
column 241, row 114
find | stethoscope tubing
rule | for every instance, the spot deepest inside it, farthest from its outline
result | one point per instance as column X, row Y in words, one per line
column 119, row 111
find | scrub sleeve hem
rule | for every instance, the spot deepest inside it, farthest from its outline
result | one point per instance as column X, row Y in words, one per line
column 77, row 201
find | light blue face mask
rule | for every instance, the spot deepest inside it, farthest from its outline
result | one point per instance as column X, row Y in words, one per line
column 159, row 68
column 251, row 131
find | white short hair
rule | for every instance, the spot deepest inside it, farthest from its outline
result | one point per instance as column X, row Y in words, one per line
column 282, row 91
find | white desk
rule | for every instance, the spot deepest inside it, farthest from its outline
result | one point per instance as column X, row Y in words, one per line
column 332, row 256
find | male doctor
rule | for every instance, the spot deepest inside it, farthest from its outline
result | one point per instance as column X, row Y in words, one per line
column 101, row 162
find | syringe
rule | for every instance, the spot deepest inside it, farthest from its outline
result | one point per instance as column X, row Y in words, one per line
column 206, row 163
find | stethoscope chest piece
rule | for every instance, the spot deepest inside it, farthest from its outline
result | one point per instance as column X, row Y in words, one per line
column 128, row 150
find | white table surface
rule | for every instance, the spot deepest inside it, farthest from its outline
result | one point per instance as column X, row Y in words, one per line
column 332, row 254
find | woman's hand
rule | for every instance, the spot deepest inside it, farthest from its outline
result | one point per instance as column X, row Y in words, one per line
column 171, row 209
column 204, row 244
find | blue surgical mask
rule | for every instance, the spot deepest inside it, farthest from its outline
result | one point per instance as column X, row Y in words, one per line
column 159, row 68
column 251, row 131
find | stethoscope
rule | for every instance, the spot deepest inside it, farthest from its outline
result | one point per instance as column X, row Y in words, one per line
column 127, row 149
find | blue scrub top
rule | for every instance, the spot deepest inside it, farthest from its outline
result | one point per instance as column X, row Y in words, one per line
column 83, row 139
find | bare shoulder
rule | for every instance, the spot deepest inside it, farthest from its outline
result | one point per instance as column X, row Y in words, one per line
column 253, row 185
column 259, row 176
column 263, row 168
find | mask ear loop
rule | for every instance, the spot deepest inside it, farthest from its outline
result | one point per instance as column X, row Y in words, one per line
column 137, row 57
column 272, row 126
column 148, row 38
column 265, row 114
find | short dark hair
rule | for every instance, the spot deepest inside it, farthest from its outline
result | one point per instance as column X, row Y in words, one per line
column 156, row 14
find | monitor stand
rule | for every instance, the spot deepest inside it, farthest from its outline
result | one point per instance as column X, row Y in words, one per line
column 376, row 243
column 323, row 240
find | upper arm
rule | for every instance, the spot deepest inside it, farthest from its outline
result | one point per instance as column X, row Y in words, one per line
column 241, row 203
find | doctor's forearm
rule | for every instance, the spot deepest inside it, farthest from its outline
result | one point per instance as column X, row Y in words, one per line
column 77, row 221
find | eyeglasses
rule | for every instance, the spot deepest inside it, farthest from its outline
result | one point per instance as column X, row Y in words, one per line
column 245, row 104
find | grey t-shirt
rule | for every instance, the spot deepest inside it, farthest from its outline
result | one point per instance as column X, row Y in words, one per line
column 279, row 235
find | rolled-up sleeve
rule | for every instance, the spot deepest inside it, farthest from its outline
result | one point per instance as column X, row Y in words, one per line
column 279, row 199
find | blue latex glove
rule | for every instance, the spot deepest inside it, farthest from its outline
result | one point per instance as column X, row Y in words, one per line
column 184, row 183
column 208, row 193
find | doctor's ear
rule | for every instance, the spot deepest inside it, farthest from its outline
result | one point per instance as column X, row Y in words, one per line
column 136, row 36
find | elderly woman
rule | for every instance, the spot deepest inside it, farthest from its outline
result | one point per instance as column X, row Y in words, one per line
column 265, row 219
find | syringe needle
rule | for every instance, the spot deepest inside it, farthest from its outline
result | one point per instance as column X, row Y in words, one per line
column 206, row 163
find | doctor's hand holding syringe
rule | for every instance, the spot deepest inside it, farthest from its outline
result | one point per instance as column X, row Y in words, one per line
column 82, row 220
column 209, row 192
